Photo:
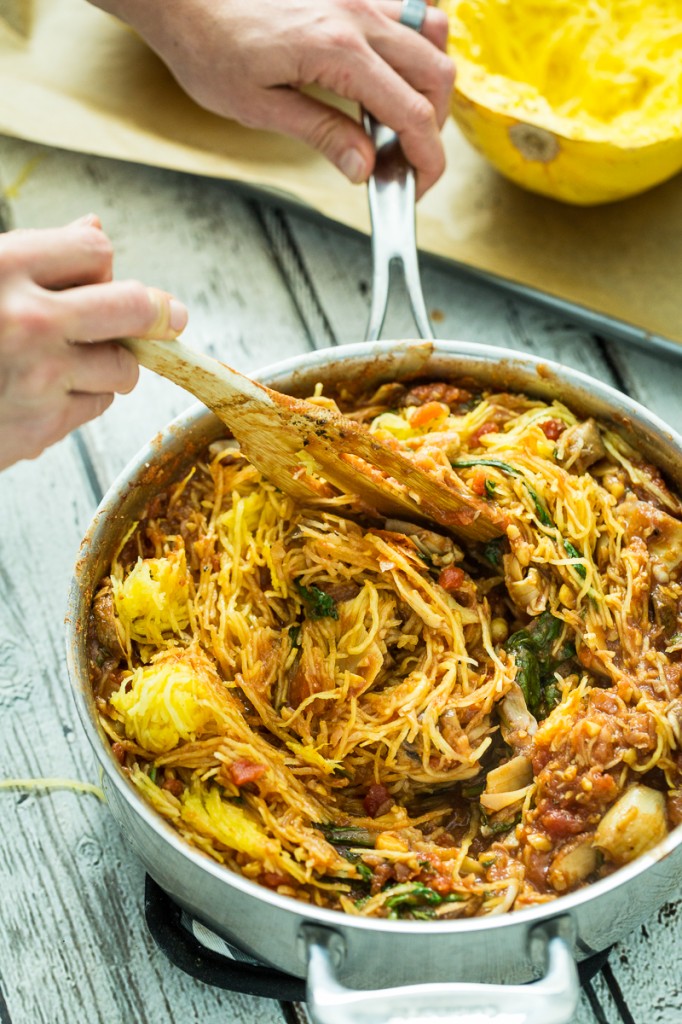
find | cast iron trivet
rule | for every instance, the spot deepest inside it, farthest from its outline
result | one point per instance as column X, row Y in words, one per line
column 202, row 954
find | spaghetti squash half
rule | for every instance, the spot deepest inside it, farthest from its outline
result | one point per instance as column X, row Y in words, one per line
column 581, row 101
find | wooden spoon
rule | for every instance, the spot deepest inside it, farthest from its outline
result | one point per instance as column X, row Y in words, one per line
column 273, row 429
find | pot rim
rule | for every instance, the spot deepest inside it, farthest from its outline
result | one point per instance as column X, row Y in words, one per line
column 76, row 631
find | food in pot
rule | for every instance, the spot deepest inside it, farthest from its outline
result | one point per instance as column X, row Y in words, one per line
column 577, row 101
column 367, row 716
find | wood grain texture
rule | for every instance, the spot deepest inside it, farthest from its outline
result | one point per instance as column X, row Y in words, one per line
column 262, row 283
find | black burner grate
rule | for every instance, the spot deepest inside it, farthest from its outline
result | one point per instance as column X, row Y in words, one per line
column 202, row 954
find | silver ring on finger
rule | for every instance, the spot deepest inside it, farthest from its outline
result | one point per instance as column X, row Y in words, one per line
column 413, row 13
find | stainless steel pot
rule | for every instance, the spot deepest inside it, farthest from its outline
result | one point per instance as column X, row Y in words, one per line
column 451, row 970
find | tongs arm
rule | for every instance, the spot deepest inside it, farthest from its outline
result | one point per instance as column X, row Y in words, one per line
column 392, row 213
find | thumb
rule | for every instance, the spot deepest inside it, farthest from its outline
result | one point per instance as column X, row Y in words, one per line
column 170, row 315
column 331, row 132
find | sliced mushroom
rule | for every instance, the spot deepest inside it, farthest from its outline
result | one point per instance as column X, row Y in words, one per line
column 530, row 593
column 580, row 446
column 441, row 550
column 633, row 825
column 227, row 450
column 661, row 532
column 513, row 774
column 664, row 602
column 573, row 864
column 507, row 784
column 107, row 627
column 517, row 725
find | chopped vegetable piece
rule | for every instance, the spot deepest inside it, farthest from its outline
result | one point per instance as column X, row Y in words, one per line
column 493, row 463
column 574, row 553
column 318, row 604
column 532, row 650
column 492, row 551
column 411, row 893
column 340, row 836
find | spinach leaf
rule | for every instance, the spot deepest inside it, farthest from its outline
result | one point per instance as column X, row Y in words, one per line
column 535, row 665
column 493, row 463
column 527, row 668
column 574, row 553
column 349, row 836
column 295, row 635
column 412, row 893
column 318, row 604
column 544, row 630
column 540, row 510
column 495, row 828
column 492, row 551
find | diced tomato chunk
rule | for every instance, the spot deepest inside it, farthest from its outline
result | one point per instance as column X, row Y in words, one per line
column 478, row 481
column 425, row 414
column 559, row 823
column 377, row 800
column 273, row 879
column 118, row 750
column 243, row 771
column 552, row 429
column 485, row 428
column 451, row 578
column 173, row 786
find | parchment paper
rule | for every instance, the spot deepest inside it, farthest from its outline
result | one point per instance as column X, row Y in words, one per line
column 75, row 78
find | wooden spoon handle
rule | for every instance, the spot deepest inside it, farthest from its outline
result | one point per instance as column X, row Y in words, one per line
column 221, row 388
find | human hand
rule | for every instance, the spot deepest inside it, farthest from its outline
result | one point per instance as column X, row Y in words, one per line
column 58, row 308
column 251, row 61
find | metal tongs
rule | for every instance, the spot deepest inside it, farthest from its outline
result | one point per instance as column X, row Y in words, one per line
column 391, row 191
column 392, row 202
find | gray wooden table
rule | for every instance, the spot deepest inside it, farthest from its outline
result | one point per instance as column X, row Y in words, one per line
column 262, row 282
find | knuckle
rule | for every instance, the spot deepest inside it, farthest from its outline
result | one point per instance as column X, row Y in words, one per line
column 445, row 71
column 338, row 39
column 41, row 379
column 26, row 318
column 361, row 9
column 98, row 245
column 420, row 112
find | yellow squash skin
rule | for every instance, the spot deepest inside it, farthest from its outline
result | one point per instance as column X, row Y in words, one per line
column 578, row 101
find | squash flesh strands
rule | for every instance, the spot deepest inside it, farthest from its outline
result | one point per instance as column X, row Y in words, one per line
column 580, row 101
column 321, row 705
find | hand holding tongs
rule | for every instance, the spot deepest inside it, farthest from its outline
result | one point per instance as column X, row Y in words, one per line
column 273, row 429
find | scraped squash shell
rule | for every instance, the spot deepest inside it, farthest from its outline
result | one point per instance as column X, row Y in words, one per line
column 580, row 100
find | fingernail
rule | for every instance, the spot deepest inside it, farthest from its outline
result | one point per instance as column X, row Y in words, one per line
column 177, row 315
column 91, row 219
column 354, row 166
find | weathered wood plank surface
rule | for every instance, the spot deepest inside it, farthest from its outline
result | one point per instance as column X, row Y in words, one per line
column 262, row 283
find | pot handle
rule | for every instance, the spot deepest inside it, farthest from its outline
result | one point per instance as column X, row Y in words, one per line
column 553, row 999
